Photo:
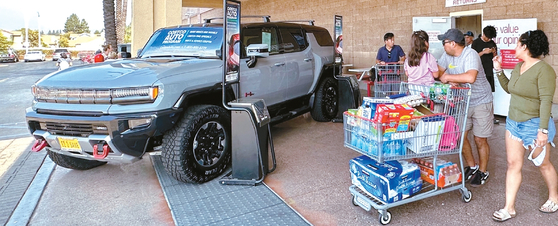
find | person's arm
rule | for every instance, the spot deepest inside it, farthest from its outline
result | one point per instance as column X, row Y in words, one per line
column 547, row 85
column 379, row 57
column 401, row 55
column 401, row 60
column 502, row 78
column 468, row 77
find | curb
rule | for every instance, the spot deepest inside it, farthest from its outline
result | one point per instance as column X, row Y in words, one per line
column 24, row 210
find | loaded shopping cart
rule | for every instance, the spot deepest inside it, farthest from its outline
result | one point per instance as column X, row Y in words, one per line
column 403, row 139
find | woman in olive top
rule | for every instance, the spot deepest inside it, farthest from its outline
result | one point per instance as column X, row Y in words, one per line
column 529, row 124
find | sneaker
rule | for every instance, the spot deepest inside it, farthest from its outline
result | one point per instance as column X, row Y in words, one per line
column 480, row 178
column 470, row 172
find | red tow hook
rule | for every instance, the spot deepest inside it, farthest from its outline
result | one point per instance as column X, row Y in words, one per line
column 104, row 154
column 39, row 145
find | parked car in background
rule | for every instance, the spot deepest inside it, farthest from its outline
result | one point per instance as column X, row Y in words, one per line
column 34, row 56
column 57, row 52
column 8, row 55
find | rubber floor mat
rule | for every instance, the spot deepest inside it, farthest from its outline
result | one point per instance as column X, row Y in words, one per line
column 214, row 204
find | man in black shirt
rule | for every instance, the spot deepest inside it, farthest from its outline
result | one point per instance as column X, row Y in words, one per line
column 487, row 50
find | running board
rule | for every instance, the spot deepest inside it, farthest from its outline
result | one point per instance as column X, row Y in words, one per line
column 290, row 114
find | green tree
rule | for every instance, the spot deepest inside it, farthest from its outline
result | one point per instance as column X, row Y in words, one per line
column 97, row 32
column 128, row 34
column 84, row 27
column 4, row 42
column 64, row 40
column 74, row 25
column 33, row 38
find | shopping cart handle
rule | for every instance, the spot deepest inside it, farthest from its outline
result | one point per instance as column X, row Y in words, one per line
column 395, row 96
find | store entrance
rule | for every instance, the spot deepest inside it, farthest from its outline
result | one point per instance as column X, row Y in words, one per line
column 469, row 23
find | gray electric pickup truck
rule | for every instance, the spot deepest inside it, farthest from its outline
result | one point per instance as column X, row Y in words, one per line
column 169, row 98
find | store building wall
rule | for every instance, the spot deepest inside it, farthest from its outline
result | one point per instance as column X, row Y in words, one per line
column 364, row 21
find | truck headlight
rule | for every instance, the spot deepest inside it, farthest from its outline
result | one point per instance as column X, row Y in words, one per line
column 142, row 94
column 96, row 96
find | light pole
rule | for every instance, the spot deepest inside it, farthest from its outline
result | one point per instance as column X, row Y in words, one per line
column 39, row 24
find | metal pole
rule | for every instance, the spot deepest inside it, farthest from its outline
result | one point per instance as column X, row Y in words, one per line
column 39, row 24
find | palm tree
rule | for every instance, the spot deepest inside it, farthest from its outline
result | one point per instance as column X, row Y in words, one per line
column 110, row 24
column 121, row 10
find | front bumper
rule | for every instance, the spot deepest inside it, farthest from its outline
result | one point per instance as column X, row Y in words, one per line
column 126, row 144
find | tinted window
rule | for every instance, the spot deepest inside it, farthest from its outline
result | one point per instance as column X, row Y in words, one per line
column 262, row 35
column 185, row 41
column 323, row 38
column 290, row 44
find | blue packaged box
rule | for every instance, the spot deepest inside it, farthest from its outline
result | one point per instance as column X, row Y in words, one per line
column 389, row 182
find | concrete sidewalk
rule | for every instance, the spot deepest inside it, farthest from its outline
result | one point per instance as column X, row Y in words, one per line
column 312, row 176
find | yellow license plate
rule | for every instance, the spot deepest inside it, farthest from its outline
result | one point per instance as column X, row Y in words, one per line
column 69, row 144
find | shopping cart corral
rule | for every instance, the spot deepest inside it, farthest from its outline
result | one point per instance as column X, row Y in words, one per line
column 403, row 146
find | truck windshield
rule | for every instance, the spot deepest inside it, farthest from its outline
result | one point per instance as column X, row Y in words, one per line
column 184, row 42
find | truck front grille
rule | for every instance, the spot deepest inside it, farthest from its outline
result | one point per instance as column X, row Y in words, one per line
column 71, row 129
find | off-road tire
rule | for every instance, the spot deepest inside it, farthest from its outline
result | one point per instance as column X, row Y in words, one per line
column 325, row 103
column 73, row 162
column 198, row 148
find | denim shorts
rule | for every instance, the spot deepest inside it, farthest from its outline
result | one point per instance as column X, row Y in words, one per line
column 527, row 131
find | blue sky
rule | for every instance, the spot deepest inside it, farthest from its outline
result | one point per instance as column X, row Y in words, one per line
column 53, row 13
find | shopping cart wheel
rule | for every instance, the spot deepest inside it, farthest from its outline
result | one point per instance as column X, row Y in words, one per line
column 353, row 200
column 467, row 196
column 385, row 218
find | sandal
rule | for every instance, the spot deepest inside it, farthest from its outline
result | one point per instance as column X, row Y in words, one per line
column 549, row 207
column 502, row 215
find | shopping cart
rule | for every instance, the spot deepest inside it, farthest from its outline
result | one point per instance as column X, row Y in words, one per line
column 388, row 79
column 422, row 139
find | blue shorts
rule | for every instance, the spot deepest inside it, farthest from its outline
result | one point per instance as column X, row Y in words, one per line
column 527, row 131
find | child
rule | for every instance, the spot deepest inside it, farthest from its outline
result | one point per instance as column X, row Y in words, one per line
column 421, row 66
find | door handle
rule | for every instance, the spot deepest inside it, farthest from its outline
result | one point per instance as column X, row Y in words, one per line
column 308, row 59
column 279, row 64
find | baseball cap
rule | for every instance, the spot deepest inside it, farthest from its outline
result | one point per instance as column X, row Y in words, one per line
column 469, row 33
column 452, row 35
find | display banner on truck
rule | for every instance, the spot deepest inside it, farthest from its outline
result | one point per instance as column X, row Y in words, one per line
column 232, row 39
column 338, row 34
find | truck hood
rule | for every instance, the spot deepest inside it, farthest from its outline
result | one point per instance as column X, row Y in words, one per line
column 125, row 73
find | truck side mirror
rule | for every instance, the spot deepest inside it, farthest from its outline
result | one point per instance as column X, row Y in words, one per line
column 254, row 51
column 257, row 50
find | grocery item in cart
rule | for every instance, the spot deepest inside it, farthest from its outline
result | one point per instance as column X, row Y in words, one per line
column 427, row 134
column 450, row 136
column 363, row 140
column 389, row 182
column 394, row 117
column 445, row 172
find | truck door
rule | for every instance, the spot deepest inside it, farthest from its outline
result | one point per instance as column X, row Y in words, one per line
column 299, row 61
column 267, row 78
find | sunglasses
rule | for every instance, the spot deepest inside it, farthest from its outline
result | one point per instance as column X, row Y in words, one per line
column 389, row 55
column 444, row 42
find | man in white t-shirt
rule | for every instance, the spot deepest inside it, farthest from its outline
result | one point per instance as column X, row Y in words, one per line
column 463, row 65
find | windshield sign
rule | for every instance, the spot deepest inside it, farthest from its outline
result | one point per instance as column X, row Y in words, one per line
column 188, row 41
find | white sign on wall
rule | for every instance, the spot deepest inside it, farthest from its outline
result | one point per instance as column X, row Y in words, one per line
column 452, row 3
column 508, row 32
